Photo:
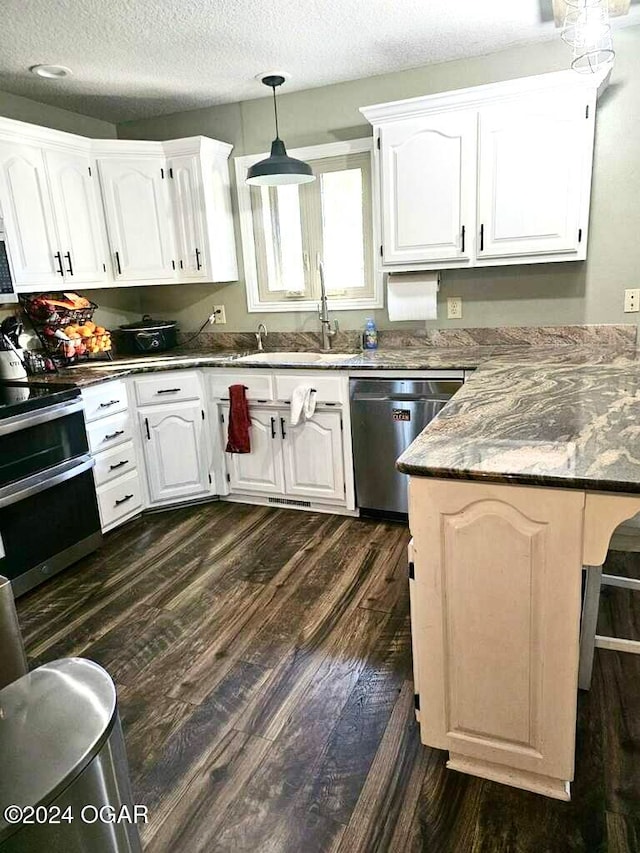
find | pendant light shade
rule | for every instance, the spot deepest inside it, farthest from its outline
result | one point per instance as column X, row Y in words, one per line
column 278, row 168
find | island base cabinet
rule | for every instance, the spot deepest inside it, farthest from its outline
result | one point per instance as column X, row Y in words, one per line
column 495, row 623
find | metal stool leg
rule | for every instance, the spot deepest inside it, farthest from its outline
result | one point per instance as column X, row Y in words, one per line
column 588, row 625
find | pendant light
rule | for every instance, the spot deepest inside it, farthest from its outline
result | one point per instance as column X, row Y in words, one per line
column 587, row 30
column 278, row 168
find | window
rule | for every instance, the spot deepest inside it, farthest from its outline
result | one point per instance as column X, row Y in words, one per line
column 288, row 230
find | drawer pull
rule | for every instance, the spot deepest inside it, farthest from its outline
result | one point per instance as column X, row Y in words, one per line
column 168, row 390
column 118, row 465
column 110, row 403
column 115, row 434
column 123, row 500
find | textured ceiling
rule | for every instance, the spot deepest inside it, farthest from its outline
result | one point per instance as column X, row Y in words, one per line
column 138, row 58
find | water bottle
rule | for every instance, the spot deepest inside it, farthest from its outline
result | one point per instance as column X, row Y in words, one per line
column 370, row 336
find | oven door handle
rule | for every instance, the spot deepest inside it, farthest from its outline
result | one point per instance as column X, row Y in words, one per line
column 44, row 480
column 41, row 416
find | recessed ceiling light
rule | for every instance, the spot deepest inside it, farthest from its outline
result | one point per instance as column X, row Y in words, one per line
column 52, row 72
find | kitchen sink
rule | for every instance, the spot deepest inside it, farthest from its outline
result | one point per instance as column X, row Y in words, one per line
column 259, row 357
column 294, row 357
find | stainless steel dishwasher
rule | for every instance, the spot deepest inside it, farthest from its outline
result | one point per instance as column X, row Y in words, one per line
column 386, row 416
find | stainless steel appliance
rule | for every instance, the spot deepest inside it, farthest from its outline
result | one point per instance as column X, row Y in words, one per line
column 48, row 506
column 386, row 416
column 13, row 658
column 64, row 766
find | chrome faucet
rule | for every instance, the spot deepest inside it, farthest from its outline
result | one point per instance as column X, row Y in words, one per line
column 261, row 332
column 328, row 328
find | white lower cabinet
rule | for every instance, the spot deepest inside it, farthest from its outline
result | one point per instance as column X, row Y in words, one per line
column 174, row 448
column 305, row 461
column 109, row 436
column 313, row 458
column 261, row 470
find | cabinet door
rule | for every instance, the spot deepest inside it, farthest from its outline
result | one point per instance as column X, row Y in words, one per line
column 428, row 188
column 78, row 216
column 189, row 217
column 28, row 218
column 261, row 470
column 498, row 572
column 535, row 166
column 174, row 449
column 313, row 457
column 138, row 218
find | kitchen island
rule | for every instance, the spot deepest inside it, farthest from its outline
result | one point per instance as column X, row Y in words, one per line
column 518, row 484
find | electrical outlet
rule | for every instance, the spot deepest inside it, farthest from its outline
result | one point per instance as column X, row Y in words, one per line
column 631, row 301
column 454, row 307
column 219, row 316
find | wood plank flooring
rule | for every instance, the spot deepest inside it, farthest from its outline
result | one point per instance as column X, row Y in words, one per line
column 263, row 663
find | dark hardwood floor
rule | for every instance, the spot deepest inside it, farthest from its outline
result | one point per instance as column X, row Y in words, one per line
column 263, row 663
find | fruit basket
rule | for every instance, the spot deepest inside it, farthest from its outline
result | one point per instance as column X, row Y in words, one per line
column 64, row 324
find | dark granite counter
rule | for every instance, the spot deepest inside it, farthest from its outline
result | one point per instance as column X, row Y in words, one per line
column 561, row 416
column 414, row 358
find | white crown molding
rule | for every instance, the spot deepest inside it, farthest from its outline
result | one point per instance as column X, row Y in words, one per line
column 477, row 96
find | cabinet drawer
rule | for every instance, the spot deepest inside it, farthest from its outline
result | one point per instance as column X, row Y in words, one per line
column 259, row 385
column 167, row 388
column 119, row 498
column 103, row 400
column 329, row 389
column 108, row 432
column 114, row 463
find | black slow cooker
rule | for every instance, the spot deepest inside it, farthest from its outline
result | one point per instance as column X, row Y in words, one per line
column 147, row 336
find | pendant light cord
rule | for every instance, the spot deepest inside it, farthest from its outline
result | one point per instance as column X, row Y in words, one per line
column 275, row 110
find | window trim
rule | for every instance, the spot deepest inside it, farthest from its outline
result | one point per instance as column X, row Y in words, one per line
column 311, row 152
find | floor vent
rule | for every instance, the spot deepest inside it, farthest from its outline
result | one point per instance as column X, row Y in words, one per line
column 289, row 502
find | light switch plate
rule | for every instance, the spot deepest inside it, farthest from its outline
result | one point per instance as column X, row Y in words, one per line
column 454, row 307
column 632, row 301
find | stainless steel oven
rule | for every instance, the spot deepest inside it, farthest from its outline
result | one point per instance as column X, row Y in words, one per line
column 48, row 506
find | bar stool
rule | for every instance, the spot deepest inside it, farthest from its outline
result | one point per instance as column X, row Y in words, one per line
column 589, row 640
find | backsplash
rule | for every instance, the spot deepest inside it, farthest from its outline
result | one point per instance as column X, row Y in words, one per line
column 351, row 340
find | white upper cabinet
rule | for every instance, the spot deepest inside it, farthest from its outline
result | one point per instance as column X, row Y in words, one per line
column 88, row 213
column 137, row 210
column 428, row 188
column 78, row 216
column 36, row 259
column 198, row 173
column 534, row 166
column 493, row 175
column 189, row 215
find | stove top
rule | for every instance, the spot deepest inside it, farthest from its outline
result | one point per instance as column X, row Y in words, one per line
column 18, row 396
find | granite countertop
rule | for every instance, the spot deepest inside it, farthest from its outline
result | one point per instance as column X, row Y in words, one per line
column 562, row 416
column 414, row 358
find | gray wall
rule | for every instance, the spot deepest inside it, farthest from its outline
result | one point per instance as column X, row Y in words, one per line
column 24, row 109
column 590, row 292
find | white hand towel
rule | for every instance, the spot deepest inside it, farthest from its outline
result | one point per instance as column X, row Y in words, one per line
column 303, row 404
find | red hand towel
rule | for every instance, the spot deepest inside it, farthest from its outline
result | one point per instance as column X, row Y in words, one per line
column 238, row 440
